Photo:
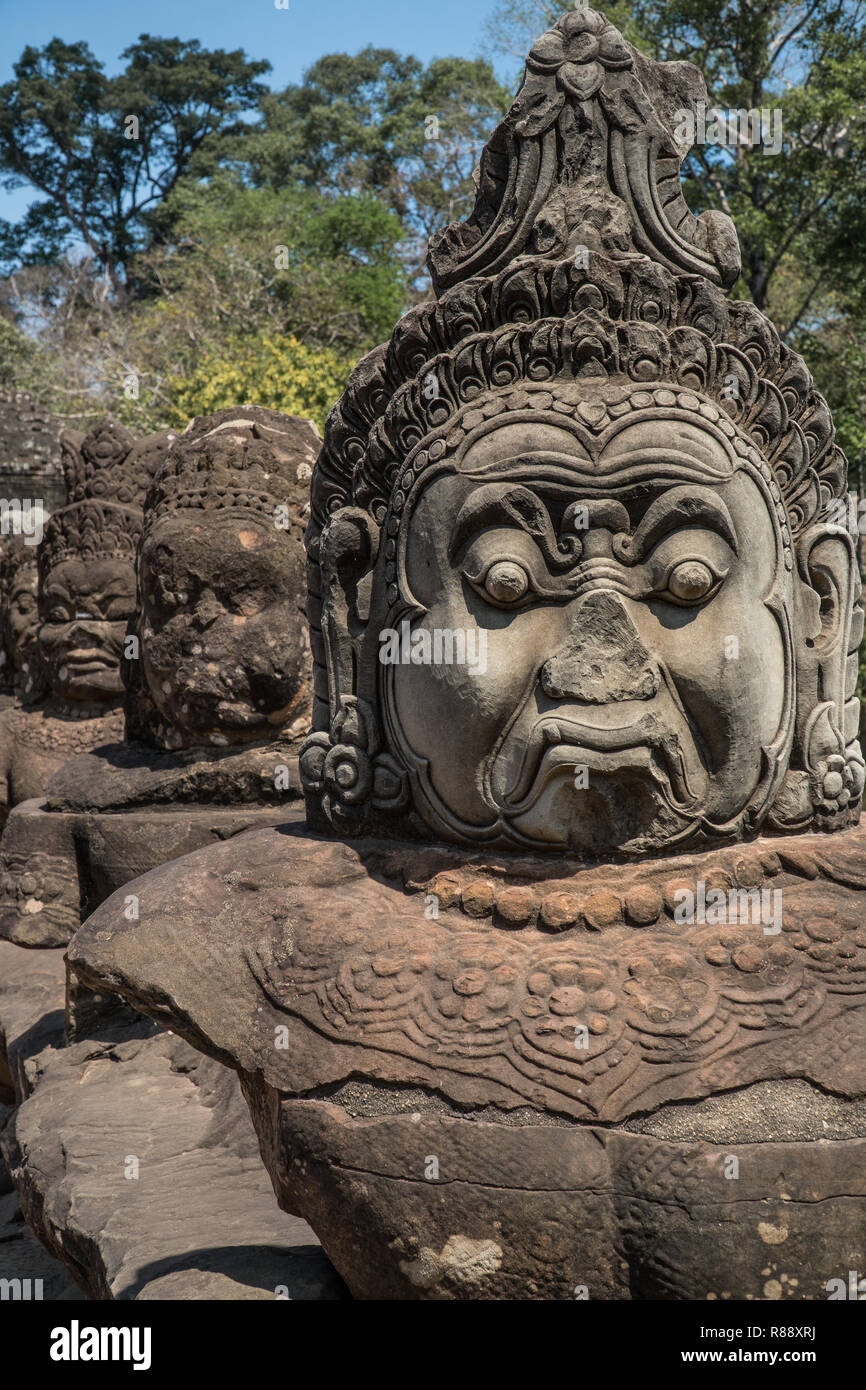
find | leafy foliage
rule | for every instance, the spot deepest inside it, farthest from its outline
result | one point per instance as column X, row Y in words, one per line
column 380, row 122
column 64, row 130
column 323, row 267
column 262, row 369
column 245, row 266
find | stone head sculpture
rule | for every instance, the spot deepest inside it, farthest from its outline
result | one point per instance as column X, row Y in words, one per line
column 576, row 578
column 87, row 563
column 19, row 582
column 224, row 650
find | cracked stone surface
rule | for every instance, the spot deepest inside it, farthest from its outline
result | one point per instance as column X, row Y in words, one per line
column 21, row 1256
column 199, row 1221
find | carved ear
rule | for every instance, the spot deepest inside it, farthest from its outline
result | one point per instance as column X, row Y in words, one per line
column 348, row 549
column 828, row 566
column 828, row 711
column 344, row 772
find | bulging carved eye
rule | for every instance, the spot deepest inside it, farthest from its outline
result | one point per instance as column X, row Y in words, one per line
column 690, row 581
column 506, row 581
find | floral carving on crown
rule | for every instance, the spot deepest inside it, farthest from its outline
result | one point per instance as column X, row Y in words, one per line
column 589, row 155
column 110, row 465
column 89, row 531
column 578, row 52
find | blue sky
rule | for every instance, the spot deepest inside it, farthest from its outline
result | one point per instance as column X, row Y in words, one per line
column 290, row 39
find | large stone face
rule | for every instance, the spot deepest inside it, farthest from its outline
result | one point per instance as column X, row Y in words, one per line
column 576, row 578
column 604, row 593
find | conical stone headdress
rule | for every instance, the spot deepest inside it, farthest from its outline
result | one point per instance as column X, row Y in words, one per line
column 107, row 476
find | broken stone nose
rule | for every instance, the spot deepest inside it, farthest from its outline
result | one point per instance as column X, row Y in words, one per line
column 603, row 659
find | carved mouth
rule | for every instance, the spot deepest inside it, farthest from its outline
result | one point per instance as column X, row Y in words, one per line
column 212, row 705
column 614, row 741
column 90, row 659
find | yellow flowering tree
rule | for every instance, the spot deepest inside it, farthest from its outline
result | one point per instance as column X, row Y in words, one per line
column 264, row 369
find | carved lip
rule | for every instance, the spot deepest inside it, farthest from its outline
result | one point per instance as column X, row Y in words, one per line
column 89, row 657
column 595, row 744
column 210, row 704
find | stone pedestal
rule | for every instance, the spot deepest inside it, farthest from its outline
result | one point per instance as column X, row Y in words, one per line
column 134, row 1162
column 515, row 1076
column 57, row 866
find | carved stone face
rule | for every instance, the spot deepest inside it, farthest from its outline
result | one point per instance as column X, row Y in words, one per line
column 85, row 608
column 21, row 619
column 222, row 633
column 632, row 593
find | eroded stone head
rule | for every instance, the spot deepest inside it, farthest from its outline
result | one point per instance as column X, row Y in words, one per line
column 224, row 648
column 19, row 586
column 576, row 578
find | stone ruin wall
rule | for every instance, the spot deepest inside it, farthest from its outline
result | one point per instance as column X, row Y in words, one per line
column 29, row 451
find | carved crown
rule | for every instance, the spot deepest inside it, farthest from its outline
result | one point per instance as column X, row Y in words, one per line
column 109, row 465
column 89, row 531
column 589, row 154
column 247, row 459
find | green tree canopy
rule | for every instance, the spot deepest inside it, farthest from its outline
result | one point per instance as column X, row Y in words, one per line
column 66, row 129
column 246, row 268
column 380, row 122
column 321, row 266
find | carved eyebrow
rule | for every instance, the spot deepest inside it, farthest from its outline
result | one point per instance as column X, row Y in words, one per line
column 680, row 506
column 510, row 505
